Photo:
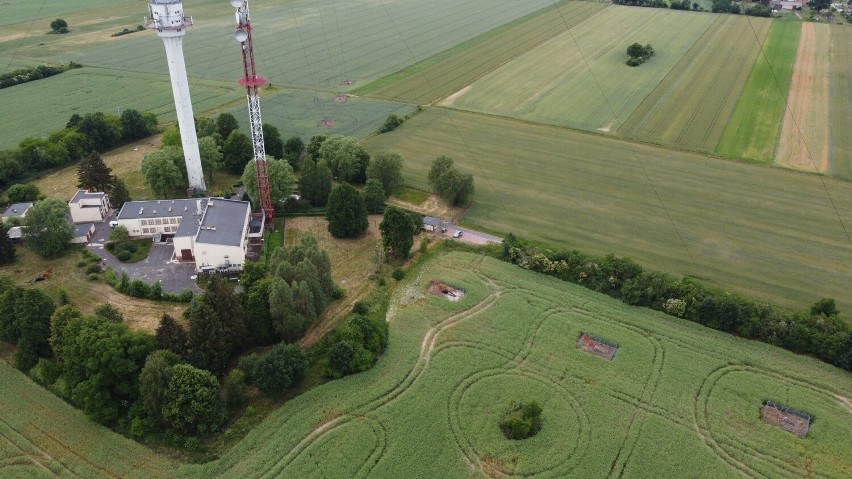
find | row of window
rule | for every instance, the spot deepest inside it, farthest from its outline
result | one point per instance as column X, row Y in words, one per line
column 167, row 229
column 159, row 221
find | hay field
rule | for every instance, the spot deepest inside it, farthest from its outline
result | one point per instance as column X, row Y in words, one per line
column 691, row 106
column 763, row 232
column 803, row 142
column 840, row 85
column 24, row 11
column 301, row 113
column 453, row 69
column 674, row 391
column 44, row 106
column 753, row 130
column 561, row 82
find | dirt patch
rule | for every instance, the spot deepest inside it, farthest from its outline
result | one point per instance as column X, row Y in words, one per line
column 455, row 96
column 796, row 422
column 433, row 206
column 596, row 346
column 446, row 291
column 327, row 123
column 341, row 98
column 347, row 82
column 803, row 143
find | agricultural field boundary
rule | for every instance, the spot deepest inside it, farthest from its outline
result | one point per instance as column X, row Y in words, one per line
column 840, row 155
column 449, row 71
column 748, row 228
column 691, row 106
column 753, row 131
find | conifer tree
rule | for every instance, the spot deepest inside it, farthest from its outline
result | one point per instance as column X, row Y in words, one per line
column 119, row 194
column 171, row 336
column 93, row 174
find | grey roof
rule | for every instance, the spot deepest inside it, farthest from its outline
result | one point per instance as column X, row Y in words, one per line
column 86, row 195
column 223, row 222
column 162, row 208
column 429, row 220
column 17, row 209
column 15, row 232
column 82, row 229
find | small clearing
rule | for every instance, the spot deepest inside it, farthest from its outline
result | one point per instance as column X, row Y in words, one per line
column 452, row 98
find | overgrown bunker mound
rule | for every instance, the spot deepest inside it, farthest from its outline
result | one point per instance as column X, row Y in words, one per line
column 596, row 346
column 445, row 290
column 788, row 419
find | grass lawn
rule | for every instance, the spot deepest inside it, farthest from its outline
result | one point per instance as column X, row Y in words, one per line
column 753, row 130
column 86, row 295
column 840, row 140
column 763, row 232
column 579, row 79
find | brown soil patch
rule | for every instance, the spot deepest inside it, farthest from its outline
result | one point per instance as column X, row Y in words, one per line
column 327, row 123
column 352, row 263
column 596, row 346
column 341, row 98
column 433, row 206
column 804, row 140
column 455, row 96
column 446, row 291
column 785, row 419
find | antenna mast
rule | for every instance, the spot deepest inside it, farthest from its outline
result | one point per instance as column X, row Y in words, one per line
column 251, row 81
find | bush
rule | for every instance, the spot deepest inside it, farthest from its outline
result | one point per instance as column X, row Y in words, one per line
column 275, row 371
column 138, row 289
column 398, row 274
column 522, row 421
column 94, row 277
column 391, row 123
column 361, row 308
column 82, row 263
column 235, row 388
column 94, row 268
column 123, row 255
column 110, row 246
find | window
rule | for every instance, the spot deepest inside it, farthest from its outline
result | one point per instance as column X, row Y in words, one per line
column 146, row 231
column 144, row 222
column 159, row 221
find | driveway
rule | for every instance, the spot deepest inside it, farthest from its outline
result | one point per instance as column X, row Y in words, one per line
column 470, row 236
column 160, row 265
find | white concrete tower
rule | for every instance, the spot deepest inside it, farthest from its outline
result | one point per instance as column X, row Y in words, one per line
column 168, row 19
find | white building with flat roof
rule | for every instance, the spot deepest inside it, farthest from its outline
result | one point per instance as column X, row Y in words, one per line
column 212, row 232
column 89, row 207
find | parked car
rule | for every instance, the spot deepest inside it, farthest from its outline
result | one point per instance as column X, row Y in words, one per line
column 457, row 234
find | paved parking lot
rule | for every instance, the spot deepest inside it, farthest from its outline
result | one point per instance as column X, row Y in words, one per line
column 173, row 276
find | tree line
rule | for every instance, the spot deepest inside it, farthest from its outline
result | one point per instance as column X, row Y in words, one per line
column 24, row 75
column 761, row 9
column 818, row 332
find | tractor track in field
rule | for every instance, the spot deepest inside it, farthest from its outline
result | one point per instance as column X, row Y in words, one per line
column 30, row 455
column 427, row 345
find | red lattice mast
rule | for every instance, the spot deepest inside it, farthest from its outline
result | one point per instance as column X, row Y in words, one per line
column 251, row 81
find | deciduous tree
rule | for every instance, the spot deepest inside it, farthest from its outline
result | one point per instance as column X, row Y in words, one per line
column 315, row 182
column 211, row 155
column 133, row 126
column 346, row 157
column 281, row 180
column 237, row 152
column 374, row 196
column 7, row 247
column 22, row 193
column 46, row 227
column 387, row 168
column 346, row 212
column 225, row 124
column 398, row 228
column 272, row 142
column 314, row 146
column 191, row 403
column 154, row 380
column 159, row 170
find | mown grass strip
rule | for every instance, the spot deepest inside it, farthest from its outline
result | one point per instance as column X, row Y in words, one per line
column 452, row 69
column 840, row 85
column 753, row 130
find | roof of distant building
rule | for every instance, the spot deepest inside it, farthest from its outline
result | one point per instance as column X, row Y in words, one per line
column 162, row 208
column 223, row 222
column 15, row 232
column 17, row 209
column 430, row 220
column 82, row 229
column 87, row 195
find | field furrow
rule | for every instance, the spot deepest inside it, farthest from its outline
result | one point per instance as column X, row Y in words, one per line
column 692, row 104
column 803, row 143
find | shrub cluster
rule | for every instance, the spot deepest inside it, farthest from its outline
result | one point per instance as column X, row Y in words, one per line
column 356, row 345
column 23, row 75
column 642, row 3
column 391, row 123
column 522, row 421
column 140, row 289
column 819, row 332
column 127, row 31
column 637, row 54
column 276, row 371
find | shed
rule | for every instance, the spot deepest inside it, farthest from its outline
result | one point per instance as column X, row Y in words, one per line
column 83, row 232
column 17, row 210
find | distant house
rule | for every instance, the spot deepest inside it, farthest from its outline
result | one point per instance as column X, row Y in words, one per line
column 433, row 224
column 786, row 5
column 212, row 232
column 17, row 210
column 15, row 234
column 89, row 207
column 83, row 233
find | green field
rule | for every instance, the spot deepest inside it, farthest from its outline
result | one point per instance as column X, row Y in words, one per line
column 692, row 105
column 753, row 130
column 44, row 106
column 26, row 11
column 301, row 112
column 451, row 70
column 41, row 436
column 678, row 400
column 840, row 85
column 763, row 232
column 561, row 82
